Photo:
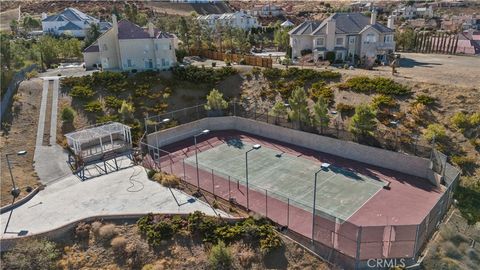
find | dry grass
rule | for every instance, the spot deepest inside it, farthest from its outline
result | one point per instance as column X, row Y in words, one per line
column 119, row 245
column 167, row 180
column 106, row 232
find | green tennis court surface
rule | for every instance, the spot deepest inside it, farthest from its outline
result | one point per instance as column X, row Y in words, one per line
column 339, row 192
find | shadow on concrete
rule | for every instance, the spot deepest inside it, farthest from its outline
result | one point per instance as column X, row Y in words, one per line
column 410, row 63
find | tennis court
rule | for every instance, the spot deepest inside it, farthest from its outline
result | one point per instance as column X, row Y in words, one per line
column 340, row 192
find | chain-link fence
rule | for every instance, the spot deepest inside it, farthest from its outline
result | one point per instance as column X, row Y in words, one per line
column 336, row 240
column 387, row 139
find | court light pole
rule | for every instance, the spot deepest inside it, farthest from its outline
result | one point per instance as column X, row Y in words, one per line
column 314, row 200
column 15, row 191
column 204, row 132
column 254, row 147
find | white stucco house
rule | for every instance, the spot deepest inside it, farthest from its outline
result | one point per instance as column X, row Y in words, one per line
column 236, row 20
column 267, row 10
column 413, row 12
column 348, row 35
column 72, row 22
column 127, row 46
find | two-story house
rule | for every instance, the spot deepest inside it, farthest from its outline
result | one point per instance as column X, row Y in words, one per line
column 127, row 46
column 235, row 20
column 348, row 35
column 70, row 21
column 267, row 10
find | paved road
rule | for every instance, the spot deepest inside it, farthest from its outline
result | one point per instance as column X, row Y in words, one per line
column 71, row 199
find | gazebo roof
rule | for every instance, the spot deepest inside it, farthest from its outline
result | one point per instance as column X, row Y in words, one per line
column 97, row 131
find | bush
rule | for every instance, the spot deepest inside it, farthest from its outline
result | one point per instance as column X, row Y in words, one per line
column 32, row 74
column 83, row 92
column 467, row 164
column 167, row 180
column 475, row 119
column 382, row 101
column 113, row 102
column 220, row 257
column 345, row 109
column 119, row 244
column 203, row 75
column 330, row 57
column 93, row 106
column 150, row 174
column 319, row 89
column 460, row 120
column 215, row 101
column 436, row 131
column 424, row 99
column 82, row 231
column 68, row 114
column 367, row 85
column 31, row 254
column 106, row 232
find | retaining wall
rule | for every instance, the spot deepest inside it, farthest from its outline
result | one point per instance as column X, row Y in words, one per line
column 396, row 161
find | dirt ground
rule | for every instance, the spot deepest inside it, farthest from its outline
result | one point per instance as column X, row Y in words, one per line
column 6, row 17
column 21, row 135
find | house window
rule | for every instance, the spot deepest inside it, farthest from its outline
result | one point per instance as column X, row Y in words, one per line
column 388, row 39
column 105, row 47
column 170, row 46
column 129, row 62
column 352, row 40
column 339, row 41
column 370, row 38
column 320, row 41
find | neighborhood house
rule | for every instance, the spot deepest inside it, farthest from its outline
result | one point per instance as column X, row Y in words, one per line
column 127, row 46
column 236, row 20
column 71, row 22
column 348, row 35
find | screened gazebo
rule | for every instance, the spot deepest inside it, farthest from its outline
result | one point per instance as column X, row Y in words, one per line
column 99, row 143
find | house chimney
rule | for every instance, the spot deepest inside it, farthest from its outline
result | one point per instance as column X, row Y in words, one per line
column 114, row 23
column 331, row 26
column 373, row 17
column 44, row 15
column 391, row 22
column 151, row 32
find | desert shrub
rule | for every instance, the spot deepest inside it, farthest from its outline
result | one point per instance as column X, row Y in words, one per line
column 345, row 109
column 82, row 92
column 108, row 78
column 119, row 244
column 82, row 231
column 31, row 74
column 419, row 113
column 31, row 254
column 452, row 251
column 95, row 226
column 475, row 119
column 69, row 82
column 93, row 106
column 467, row 164
column 126, row 110
column 107, row 118
column 113, row 102
column 367, row 85
column 203, row 75
column 167, row 180
column 246, row 256
column 256, row 71
column 319, row 89
column 106, row 232
column 424, row 99
column 460, row 120
column 220, row 257
column 383, row 101
column 215, row 101
column 151, row 173
column 68, row 114
column 436, row 131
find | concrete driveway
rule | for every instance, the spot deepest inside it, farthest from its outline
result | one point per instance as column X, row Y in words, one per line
column 128, row 191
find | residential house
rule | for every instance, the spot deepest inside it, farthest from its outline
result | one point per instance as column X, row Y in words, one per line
column 472, row 23
column 413, row 12
column 348, row 35
column 127, row 46
column 267, row 10
column 72, row 22
column 469, row 42
column 236, row 20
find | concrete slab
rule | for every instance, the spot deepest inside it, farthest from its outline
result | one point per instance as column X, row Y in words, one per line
column 128, row 191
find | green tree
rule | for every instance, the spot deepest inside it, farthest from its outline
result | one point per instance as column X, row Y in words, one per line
column 14, row 27
column 5, row 50
column 220, row 257
column 320, row 113
column 184, row 32
column 30, row 23
column 49, row 50
column 405, row 39
column 363, row 121
column 298, row 106
column 281, row 39
column 215, row 101
column 92, row 34
column 241, row 40
column 68, row 114
column 279, row 110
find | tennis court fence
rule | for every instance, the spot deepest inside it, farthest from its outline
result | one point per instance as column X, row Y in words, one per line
column 390, row 139
column 338, row 241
